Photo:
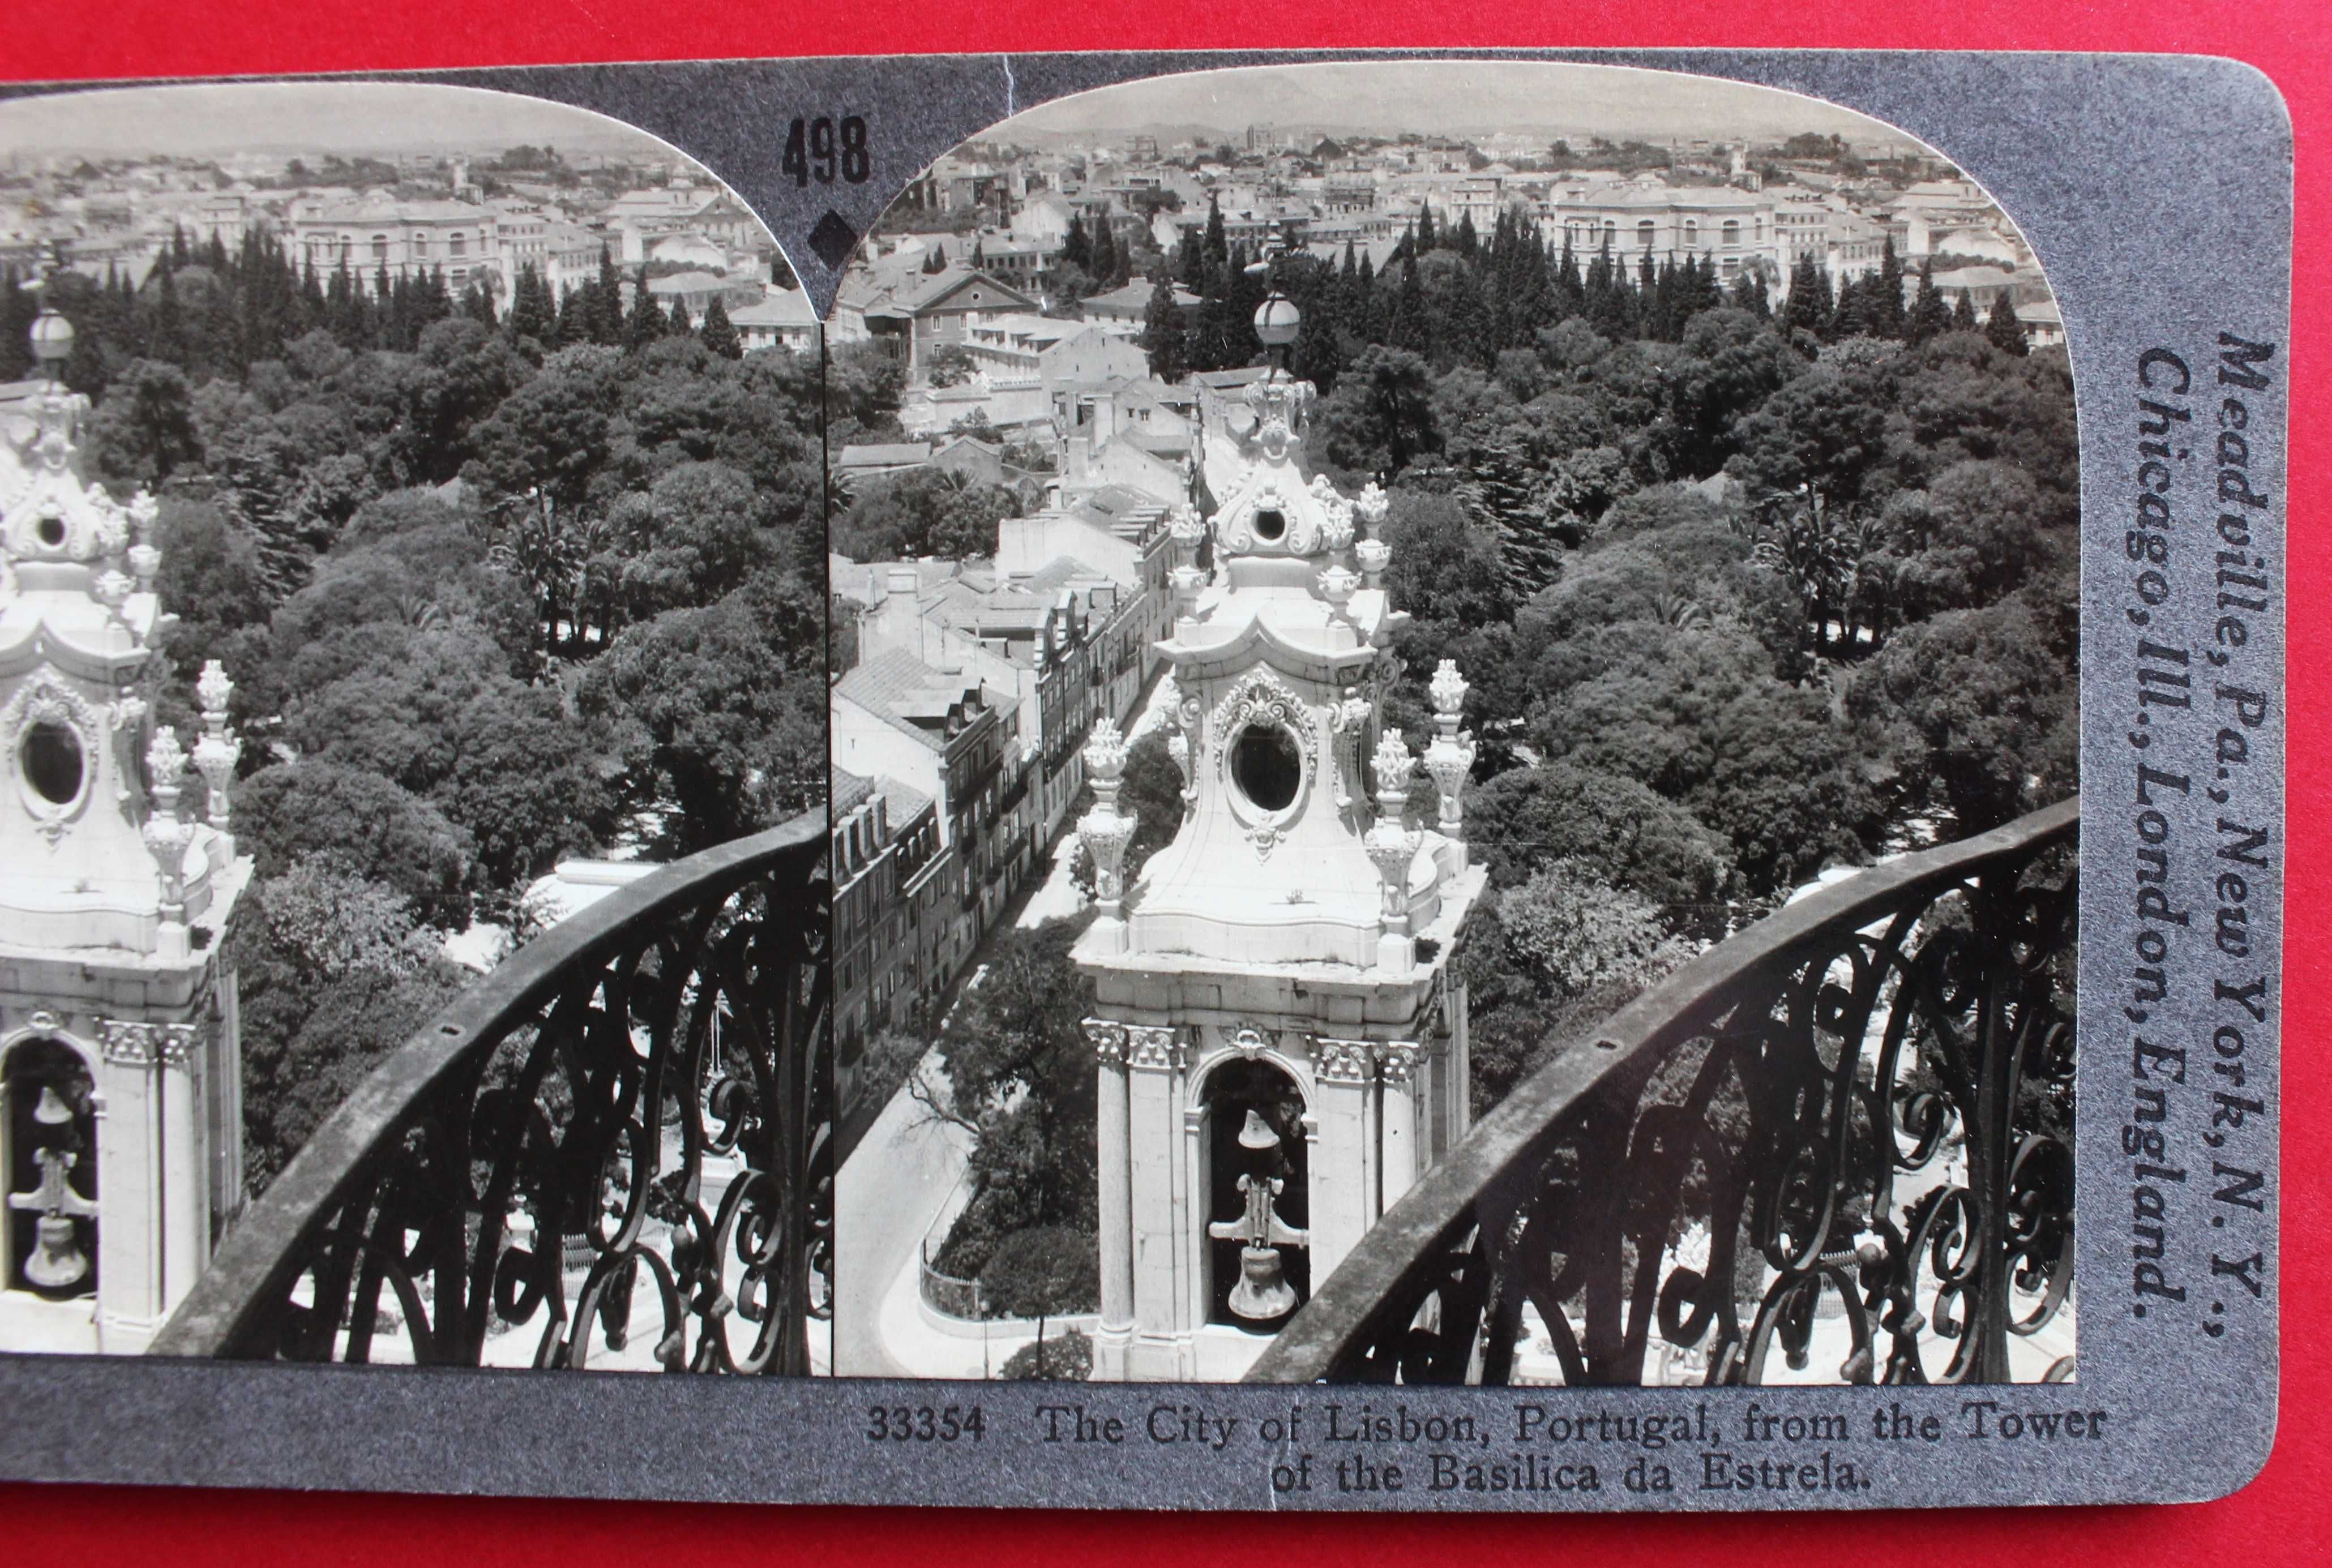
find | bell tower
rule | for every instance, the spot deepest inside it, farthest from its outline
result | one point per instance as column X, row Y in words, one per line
column 120, row 1109
column 1281, row 1038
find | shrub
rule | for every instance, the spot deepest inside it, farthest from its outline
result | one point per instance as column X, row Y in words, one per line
column 1069, row 1359
column 1041, row 1272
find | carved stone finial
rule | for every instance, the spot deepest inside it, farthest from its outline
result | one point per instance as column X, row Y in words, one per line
column 216, row 752
column 1105, row 830
column 1337, row 586
column 1391, row 846
column 144, row 559
column 1393, row 762
column 1335, row 516
column 165, row 835
column 1104, row 752
column 1449, row 758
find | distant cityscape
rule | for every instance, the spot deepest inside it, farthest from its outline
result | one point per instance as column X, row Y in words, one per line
column 478, row 218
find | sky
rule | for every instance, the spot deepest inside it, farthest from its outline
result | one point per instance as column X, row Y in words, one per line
column 218, row 119
column 1452, row 96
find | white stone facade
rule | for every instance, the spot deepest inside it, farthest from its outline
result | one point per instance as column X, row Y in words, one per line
column 120, row 1083
column 1275, row 1003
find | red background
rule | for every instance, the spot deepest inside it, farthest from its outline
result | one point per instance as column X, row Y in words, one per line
column 2282, row 1516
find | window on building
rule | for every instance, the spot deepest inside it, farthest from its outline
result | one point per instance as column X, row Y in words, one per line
column 1644, row 230
column 381, row 248
column 420, row 247
column 1732, row 232
column 458, row 243
column 1692, row 233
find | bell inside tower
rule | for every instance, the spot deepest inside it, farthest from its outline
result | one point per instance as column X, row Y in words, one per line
column 52, row 1132
column 1259, row 1198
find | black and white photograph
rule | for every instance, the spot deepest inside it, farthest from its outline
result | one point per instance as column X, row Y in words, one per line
column 413, row 879
column 1454, row 744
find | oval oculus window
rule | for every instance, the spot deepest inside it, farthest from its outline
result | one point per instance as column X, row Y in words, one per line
column 1266, row 766
column 53, row 762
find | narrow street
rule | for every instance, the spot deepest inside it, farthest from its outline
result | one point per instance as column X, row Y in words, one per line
column 885, row 1199
column 903, row 1172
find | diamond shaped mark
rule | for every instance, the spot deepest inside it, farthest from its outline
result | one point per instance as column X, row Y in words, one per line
column 832, row 239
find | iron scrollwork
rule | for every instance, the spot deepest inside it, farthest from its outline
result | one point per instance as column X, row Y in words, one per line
column 1856, row 1114
column 629, row 1118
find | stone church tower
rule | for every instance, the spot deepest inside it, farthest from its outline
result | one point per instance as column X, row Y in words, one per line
column 1282, row 1041
column 120, row 1112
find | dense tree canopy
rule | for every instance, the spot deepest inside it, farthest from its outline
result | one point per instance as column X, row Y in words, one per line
column 498, row 579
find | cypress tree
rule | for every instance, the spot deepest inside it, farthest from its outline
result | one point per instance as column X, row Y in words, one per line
column 1104, row 254
column 531, row 312
column 1409, row 328
column 1218, row 247
column 2002, row 329
column 574, row 316
column 645, row 323
column 1963, row 313
column 1190, row 263
column 1163, row 337
column 1853, row 315
column 165, row 340
column 1570, row 290
column 1886, row 307
column 1076, row 245
column 1319, row 352
column 1423, row 240
column 718, row 333
column 678, row 325
column 1809, row 307
column 1505, row 493
column 607, row 303
column 1930, row 317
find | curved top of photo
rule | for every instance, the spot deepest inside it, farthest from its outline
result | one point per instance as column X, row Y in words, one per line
column 1322, row 156
column 553, row 183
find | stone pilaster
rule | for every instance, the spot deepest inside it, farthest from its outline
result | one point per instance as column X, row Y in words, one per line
column 1115, row 1220
column 1399, row 1069
column 1344, row 1176
column 1155, row 1057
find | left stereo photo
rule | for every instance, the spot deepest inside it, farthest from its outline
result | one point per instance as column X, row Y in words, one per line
column 413, row 862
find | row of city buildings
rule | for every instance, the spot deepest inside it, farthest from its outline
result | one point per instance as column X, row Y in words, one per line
column 1014, row 211
column 699, row 243
column 957, row 737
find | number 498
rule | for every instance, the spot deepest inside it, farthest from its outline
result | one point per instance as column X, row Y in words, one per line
column 818, row 149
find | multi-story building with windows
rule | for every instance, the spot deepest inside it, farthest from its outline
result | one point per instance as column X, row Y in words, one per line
column 893, row 715
column 377, row 234
column 1732, row 228
column 886, row 851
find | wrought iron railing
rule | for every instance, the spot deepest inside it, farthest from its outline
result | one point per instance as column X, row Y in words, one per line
column 629, row 1110
column 1847, row 1128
